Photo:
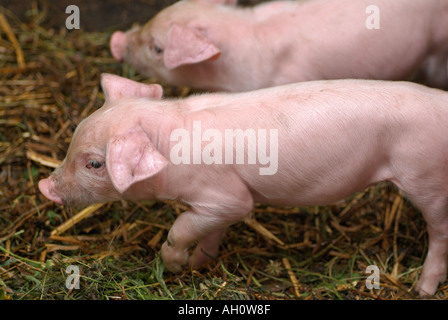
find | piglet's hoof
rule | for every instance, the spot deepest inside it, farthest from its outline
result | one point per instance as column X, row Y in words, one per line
column 175, row 260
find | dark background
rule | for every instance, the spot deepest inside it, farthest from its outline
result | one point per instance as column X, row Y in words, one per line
column 96, row 15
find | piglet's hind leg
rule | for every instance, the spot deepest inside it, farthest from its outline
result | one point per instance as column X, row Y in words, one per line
column 435, row 266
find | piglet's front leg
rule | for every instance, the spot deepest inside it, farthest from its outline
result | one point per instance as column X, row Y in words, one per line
column 192, row 228
column 212, row 211
column 188, row 229
column 203, row 228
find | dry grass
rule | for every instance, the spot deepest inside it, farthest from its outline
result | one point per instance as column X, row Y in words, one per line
column 49, row 81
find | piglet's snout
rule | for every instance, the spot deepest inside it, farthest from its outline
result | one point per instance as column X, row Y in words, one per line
column 118, row 43
column 47, row 186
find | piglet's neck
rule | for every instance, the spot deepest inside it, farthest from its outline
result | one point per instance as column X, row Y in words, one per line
column 157, row 122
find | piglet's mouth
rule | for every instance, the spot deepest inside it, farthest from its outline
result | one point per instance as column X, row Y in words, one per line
column 46, row 186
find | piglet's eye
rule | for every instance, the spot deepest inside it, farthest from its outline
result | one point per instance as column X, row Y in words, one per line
column 157, row 50
column 94, row 164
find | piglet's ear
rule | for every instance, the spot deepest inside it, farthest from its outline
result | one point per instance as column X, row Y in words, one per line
column 115, row 87
column 131, row 158
column 187, row 45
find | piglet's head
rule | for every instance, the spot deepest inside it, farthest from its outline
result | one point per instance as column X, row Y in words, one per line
column 104, row 161
column 168, row 41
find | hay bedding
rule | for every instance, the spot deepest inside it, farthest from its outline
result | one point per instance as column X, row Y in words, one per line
column 49, row 81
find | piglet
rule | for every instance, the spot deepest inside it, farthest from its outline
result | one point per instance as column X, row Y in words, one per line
column 215, row 45
column 304, row 144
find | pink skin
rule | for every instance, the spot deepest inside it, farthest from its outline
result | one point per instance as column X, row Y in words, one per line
column 334, row 138
column 228, row 48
